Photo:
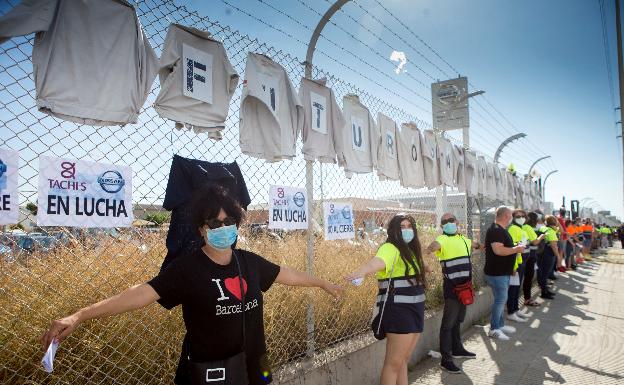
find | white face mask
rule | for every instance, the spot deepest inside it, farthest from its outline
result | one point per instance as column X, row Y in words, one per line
column 520, row 221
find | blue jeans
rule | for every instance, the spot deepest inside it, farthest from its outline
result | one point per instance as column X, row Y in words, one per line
column 499, row 285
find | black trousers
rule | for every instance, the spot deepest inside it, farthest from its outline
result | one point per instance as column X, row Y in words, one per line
column 450, row 336
column 545, row 263
column 529, row 274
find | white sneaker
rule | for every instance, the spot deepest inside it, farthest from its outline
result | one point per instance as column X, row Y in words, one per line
column 523, row 313
column 498, row 334
column 508, row 329
column 516, row 318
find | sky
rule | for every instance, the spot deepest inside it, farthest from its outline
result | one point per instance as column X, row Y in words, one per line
column 541, row 63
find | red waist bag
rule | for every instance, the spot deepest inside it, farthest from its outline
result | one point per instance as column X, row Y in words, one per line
column 465, row 293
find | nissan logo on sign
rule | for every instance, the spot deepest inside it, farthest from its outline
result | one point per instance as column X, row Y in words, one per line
column 448, row 94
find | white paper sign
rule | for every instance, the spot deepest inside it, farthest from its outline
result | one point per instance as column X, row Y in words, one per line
column 197, row 75
column 450, row 104
column 268, row 88
column 358, row 135
column 9, row 199
column 391, row 144
column 338, row 220
column 288, row 208
column 83, row 194
column 319, row 113
column 514, row 280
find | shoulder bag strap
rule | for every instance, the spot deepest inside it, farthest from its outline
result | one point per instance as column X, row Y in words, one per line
column 383, row 307
column 242, row 290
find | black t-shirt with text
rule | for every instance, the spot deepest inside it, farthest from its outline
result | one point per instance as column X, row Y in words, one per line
column 210, row 296
column 498, row 264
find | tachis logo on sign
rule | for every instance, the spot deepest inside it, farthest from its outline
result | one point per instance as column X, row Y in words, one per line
column 67, row 180
column 111, row 181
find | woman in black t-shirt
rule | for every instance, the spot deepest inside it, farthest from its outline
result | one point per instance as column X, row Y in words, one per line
column 211, row 284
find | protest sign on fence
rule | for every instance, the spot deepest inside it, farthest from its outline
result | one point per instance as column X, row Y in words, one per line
column 288, row 208
column 338, row 220
column 9, row 200
column 83, row 194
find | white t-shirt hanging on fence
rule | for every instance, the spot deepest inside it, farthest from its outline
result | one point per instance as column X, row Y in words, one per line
column 356, row 143
column 499, row 176
column 519, row 192
column 472, row 173
column 490, row 181
column 458, row 173
column 410, row 156
column 430, row 159
column 9, row 197
column 271, row 114
column 88, row 68
column 482, row 176
column 511, row 188
column 387, row 153
column 323, row 120
column 197, row 81
column 446, row 162
column 530, row 197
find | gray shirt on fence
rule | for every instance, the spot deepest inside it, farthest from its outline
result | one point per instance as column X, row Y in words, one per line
column 92, row 61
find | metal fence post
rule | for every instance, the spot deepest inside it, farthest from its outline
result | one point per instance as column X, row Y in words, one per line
column 310, row 175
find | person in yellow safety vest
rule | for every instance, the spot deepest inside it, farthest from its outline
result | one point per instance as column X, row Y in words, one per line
column 519, row 237
column 511, row 169
column 400, row 307
column 453, row 251
column 529, row 263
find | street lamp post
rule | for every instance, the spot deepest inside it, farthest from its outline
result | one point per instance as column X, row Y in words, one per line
column 310, row 173
column 544, row 184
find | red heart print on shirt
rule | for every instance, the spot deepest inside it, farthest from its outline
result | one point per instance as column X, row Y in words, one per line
column 233, row 286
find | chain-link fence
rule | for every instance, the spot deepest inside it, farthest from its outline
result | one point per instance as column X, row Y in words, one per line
column 64, row 269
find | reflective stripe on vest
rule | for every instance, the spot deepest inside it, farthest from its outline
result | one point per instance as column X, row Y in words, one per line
column 396, row 283
column 403, row 298
column 454, row 256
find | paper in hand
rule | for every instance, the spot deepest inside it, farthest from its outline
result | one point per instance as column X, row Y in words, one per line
column 48, row 359
column 514, row 280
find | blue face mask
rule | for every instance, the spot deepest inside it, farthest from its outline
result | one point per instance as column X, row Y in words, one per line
column 407, row 234
column 450, row 228
column 222, row 238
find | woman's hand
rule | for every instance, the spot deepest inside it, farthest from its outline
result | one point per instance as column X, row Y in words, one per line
column 332, row 289
column 59, row 330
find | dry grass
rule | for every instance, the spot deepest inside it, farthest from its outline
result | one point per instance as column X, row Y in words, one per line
column 143, row 347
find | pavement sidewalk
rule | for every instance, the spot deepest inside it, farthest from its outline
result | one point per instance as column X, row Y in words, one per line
column 578, row 338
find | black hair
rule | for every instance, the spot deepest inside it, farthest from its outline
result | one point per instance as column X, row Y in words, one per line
column 209, row 200
column 408, row 251
column 532, row 219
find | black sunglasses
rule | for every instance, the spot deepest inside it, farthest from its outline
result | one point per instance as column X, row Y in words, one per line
column 448, row 220
column 214, row 223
